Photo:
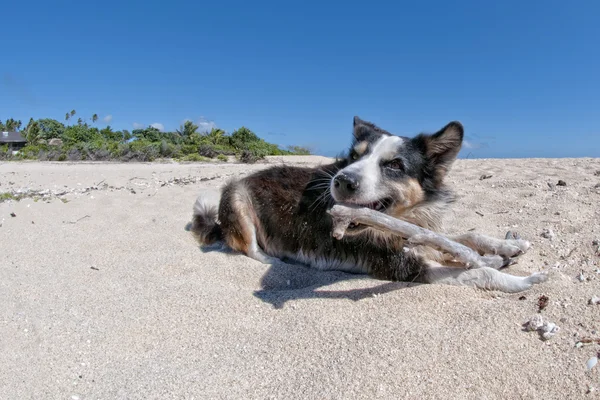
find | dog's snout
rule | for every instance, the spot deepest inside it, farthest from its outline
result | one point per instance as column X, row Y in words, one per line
column 346, row 184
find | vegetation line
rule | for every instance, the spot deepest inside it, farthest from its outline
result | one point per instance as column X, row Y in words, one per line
column 51, row 140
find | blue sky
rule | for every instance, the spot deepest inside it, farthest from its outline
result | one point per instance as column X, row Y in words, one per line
column 522, row 76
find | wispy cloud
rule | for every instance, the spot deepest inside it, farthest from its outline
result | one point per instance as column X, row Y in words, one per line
column 107, row 119
column 474, row 144
column 137, row 125
column 468, row 145
column 205, row 125
column 158, row 126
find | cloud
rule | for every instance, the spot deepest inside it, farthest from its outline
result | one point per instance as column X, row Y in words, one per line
column 137, row 125
column 107, row 119
column 158, row 126
column 205, row 125
column 468, row 145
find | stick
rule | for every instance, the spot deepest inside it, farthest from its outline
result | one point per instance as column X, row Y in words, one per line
column 344, row 216
column 74, row 222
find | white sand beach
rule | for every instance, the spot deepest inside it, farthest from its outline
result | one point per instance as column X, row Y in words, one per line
column 105, row 295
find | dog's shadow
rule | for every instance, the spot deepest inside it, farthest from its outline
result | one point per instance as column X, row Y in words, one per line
column 288, row 281
column 284, row 282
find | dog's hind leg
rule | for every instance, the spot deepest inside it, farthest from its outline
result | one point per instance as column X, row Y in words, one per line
column 482, row 278
column 506, row 248
column 239, row 224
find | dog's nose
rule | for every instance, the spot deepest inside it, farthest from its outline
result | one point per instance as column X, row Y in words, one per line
column 345, row 184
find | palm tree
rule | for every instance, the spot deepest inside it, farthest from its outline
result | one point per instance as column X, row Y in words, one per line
column 188, row 129
column 94, row 118
column 11, row 124
column 72, row 113
column 67, row 116
column 216, row 135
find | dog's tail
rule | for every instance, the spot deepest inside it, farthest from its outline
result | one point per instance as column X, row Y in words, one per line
column 205, row 225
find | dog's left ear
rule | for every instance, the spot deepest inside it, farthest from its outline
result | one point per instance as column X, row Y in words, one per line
column 443, row 146
column 363, row 129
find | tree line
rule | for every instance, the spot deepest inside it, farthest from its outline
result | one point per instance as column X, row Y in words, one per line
column 52, row 140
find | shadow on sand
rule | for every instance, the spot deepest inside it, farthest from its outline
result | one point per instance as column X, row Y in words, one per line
column 284, row 282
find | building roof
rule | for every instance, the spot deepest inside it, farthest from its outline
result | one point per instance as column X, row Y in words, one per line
column 11, row 137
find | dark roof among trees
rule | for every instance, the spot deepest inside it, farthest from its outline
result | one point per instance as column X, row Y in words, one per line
column 11, row 137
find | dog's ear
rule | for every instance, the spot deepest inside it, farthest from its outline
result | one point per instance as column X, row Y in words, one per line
column 364, row 129
column 442, row 147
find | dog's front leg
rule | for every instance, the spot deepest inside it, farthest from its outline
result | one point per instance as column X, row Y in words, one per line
column 343, row 216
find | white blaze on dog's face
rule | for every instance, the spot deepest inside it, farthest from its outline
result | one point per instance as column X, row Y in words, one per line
column 367, row 173
column 391, row 173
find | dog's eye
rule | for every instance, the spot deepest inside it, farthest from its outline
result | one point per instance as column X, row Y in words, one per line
column 354, row 156
column 395, row 164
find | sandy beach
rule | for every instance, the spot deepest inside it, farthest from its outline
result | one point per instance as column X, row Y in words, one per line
column 105, row 295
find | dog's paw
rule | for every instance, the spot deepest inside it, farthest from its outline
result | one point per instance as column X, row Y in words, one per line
column 510, row 235
column 537, row 277
column 510, row 248
column 523, row 245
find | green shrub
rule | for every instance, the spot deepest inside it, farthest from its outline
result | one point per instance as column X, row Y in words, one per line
column 222, row 157
column 164, row 149
column 75, row 154
column 194, row 158
column 32, row 151
column 299, row 150
column 248, row 157
column 243, row 138
column 207, row 151
column 189, row 149
column 4, row 153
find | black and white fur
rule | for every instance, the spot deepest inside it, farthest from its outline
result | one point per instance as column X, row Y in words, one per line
column 280, row 213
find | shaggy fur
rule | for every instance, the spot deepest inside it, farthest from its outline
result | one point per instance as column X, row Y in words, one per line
column 280, row 213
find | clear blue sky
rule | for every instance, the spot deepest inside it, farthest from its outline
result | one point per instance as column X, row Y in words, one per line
column 522, row 76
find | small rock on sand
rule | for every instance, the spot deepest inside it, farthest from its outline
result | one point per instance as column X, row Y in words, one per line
column 548, row 234
column 561, row 183
column 591, row 363
column 534, row 323
column 546, row 329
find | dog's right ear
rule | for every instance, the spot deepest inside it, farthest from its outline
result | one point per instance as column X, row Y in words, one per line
column 442, row 148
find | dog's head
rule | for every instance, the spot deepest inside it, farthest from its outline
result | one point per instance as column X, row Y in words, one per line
column 392, row 173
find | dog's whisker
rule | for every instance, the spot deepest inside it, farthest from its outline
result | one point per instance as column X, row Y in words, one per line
column 318, row 187
column 323, row 198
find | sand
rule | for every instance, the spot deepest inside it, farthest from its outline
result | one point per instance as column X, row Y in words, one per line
column 105, row 295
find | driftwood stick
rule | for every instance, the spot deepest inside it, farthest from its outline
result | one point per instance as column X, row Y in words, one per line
column 343, row 216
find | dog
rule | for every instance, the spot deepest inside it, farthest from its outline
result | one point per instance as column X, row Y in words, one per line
column 280, row 214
